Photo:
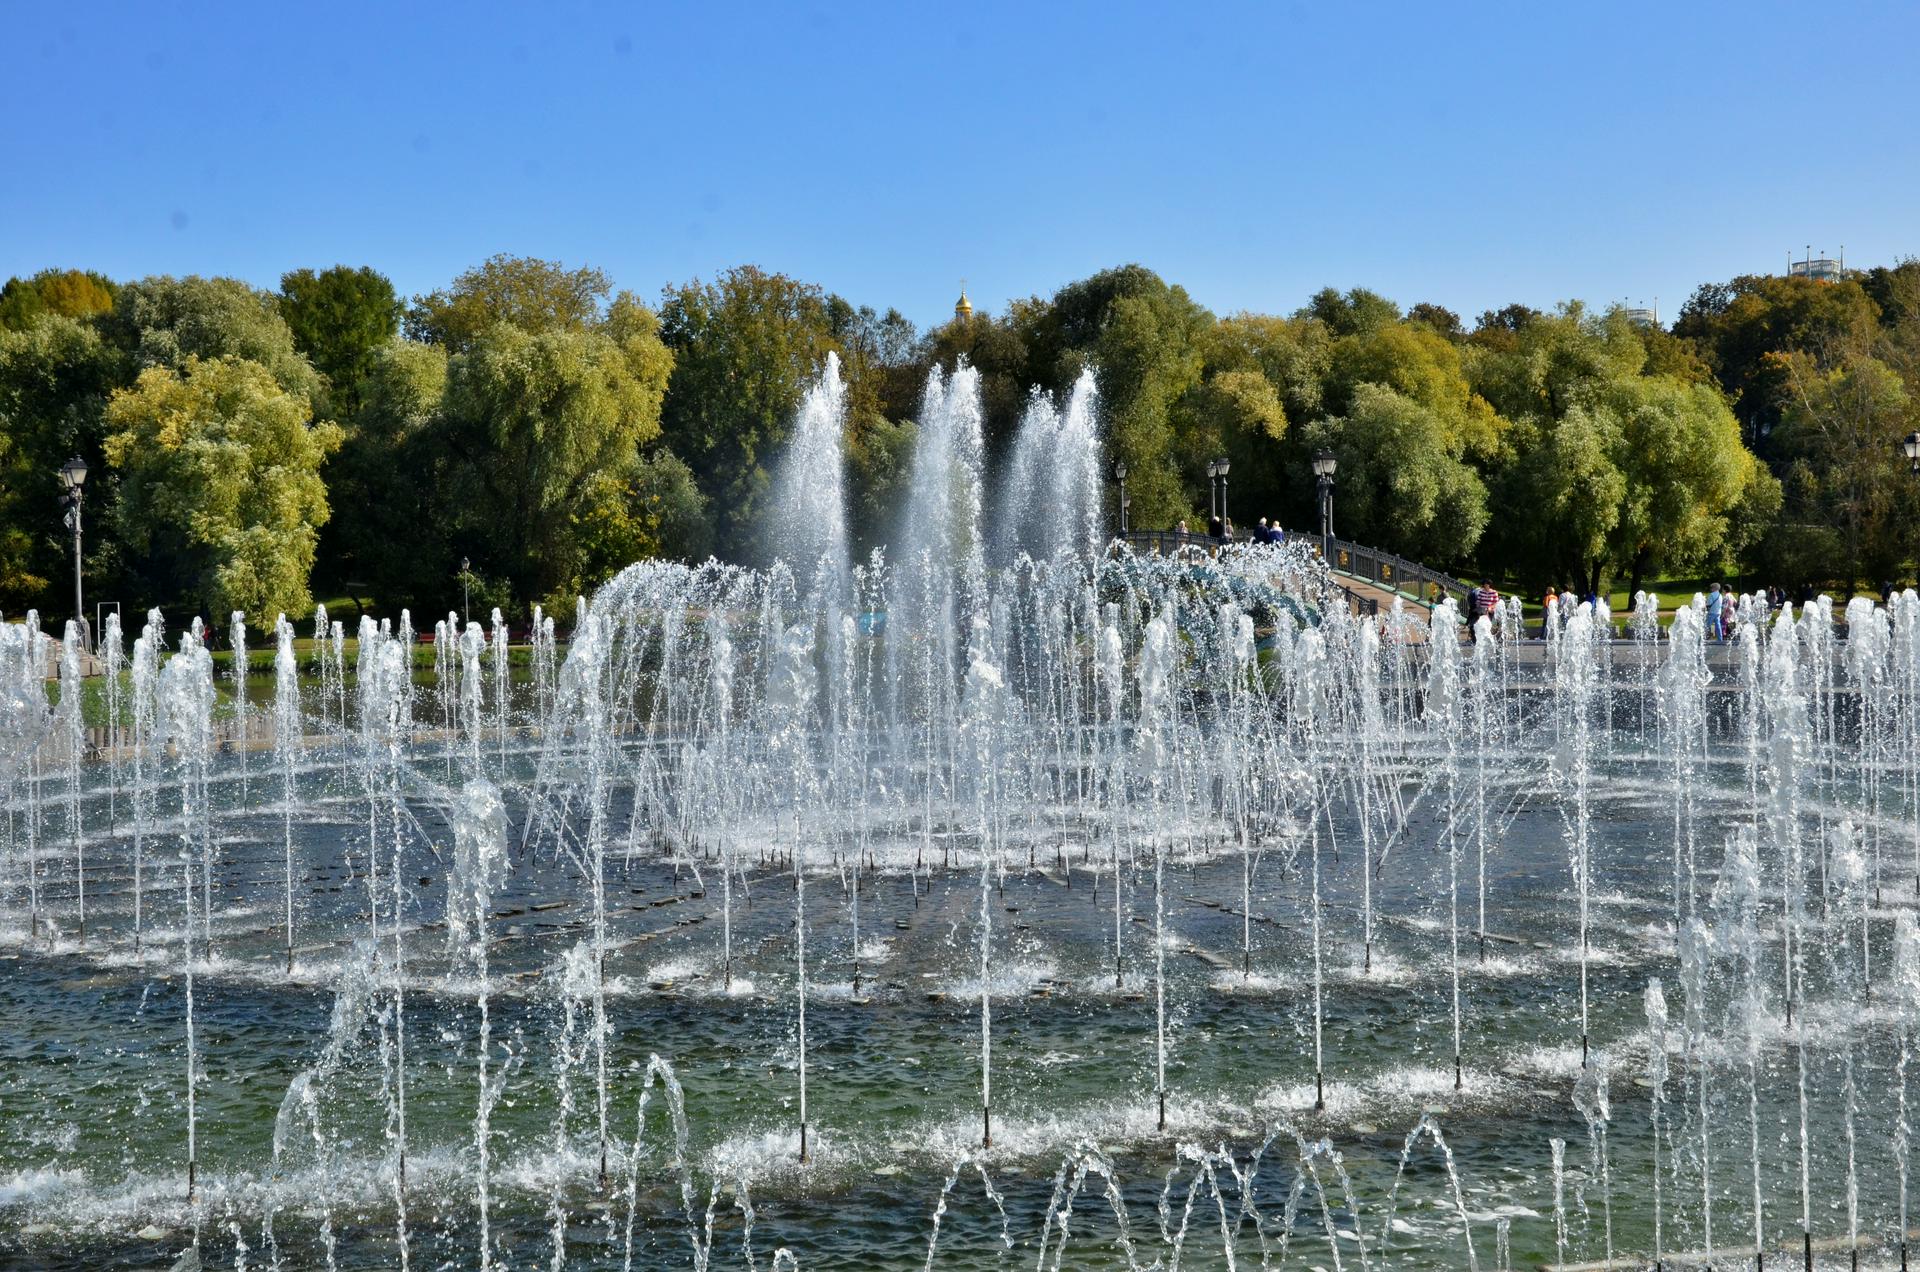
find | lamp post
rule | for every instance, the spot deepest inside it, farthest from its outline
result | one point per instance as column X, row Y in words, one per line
column 1911, row 445
column 1219, row 467
column 1213, row 489
column 73, row 479
column 466, row 591
column 1120, row 480
column 1323, row 469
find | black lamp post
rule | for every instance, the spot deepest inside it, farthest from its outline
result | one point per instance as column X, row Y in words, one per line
column 1220, row 467
column 466, row 590
column 1911, row 445
column 73, row 480
column 1323, row 469
column 1213, row 489
column 1120, row 480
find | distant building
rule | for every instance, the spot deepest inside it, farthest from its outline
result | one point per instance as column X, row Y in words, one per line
column 963, row 308
column 1643, row 317
column 1821, row 269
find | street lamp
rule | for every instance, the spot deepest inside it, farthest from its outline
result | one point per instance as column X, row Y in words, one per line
column 1323, row 468
column 1911, row 445
column 1213, row 489
column 73, row 478
column 1219, row 467
column 1120, row 480
column 466, row 590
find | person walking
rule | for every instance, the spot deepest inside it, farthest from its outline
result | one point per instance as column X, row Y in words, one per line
column 1715, row 602
column 1481, row 602
column 1547, row 609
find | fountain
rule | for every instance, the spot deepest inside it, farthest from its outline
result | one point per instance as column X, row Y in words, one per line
column 384, row 993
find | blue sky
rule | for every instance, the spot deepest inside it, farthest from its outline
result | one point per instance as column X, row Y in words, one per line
column 1469, row 154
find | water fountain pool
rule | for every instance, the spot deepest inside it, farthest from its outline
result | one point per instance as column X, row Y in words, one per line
column 1000, row 900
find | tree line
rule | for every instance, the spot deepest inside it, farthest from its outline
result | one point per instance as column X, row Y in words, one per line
column 528, row 429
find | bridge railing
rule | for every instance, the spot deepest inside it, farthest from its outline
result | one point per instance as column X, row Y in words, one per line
column 1177, row 542
column 1388, row 571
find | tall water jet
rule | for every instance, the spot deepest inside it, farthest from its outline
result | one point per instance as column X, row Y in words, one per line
column 982, row 705
column 1443, row 716
column 1696, row 954
column 1156, row 745
column 1906, row 1006
column 74, row 737
column 1590, row 1097
column 237, row 677
column 1480, row 697
column 1682, row 690
column 1656, row 1004
column 721, row 673
column 1311, row 690
column 810, row 519
column 791, row 694
column 1786, row 765
column 186, row 695
column 479, row 868
column 146, row 725
column 1050, row 500
column 286, row 742
column 113, row 665
column 1576, row 678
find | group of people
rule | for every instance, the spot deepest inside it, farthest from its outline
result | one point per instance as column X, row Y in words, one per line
column 1220, row 529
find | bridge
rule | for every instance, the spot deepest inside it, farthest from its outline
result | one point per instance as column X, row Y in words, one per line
column 1370, row 580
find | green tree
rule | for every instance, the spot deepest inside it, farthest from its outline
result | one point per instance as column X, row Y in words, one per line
column 163, row 322
column 392, row 475
column 1743, row 327
column 71, row 293
column 1559, row 502
column 1404, row 485
column 221, row 494
column 1143, row 338
column 1418, row 363
column 1354, row 313
column 1841, row 427
column 544, row 431
column 1685, row 475
column 55, row 378
column 744, row 349
column 522, row 291
column 340, row 318
column 1442, row 320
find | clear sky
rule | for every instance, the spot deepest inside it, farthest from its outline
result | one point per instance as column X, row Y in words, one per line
column 1469, row 154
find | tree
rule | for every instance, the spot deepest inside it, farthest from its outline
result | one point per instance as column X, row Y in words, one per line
column 544, row 431
column 524, row 292
column 1684, row 470
column 1403, row 483
column 392, row 473
column 1739, row 328
column 55, row 378
column 340, row 318
column 1559, row 502
column 1355, row 313
column 70, row 293
column 164, row 322
column 1417, row 362
column 1143, row 339
column 744, row 347
column 221, row 494
column 1441, row 319
column 1842, row 427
